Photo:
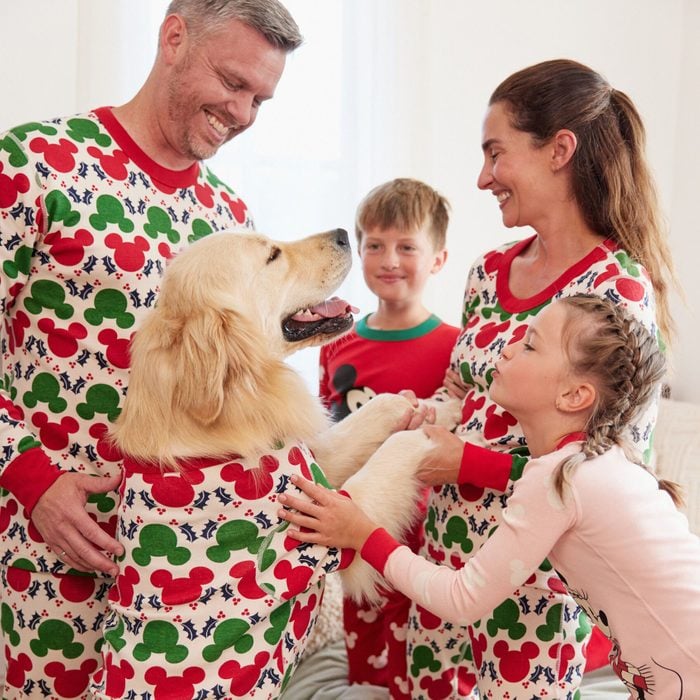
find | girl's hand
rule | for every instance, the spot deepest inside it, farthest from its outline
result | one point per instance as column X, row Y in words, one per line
column 421, row 415
column 454, row 384
column 333, row 519
column 441, row 465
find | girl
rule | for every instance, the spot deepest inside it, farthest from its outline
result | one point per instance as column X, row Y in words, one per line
column 583, row 371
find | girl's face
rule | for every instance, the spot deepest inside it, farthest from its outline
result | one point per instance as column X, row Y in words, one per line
column 517, row 172
column 530, row 374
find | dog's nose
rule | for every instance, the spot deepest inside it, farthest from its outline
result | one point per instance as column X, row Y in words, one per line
column 341, row 238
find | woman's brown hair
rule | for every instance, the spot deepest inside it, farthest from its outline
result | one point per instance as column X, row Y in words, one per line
column 611, row 179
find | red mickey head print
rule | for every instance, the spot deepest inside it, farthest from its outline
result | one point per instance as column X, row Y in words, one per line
column 112, row 163
column 129, row 255
column 497, row 425
column 69, row 250
column 58, row 155
column 11, row 188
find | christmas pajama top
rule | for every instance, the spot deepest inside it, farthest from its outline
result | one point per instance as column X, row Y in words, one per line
column 87, row 224
column 621, row 547
column 461, row 516
column 213, row 599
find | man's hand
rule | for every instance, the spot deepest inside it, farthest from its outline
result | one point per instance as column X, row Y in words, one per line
column 63, row 522
column 441, row 465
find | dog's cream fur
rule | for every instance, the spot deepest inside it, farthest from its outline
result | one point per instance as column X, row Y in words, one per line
column 208, row 376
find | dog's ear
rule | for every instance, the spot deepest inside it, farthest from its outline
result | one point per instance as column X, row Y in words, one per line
column 217, row 362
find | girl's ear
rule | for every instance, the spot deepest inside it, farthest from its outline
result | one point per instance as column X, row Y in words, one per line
column 577, row 397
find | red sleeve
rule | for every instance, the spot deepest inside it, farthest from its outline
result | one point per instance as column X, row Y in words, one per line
column 323, row 389
column 485, row 468
column 28, row 476
column 377, row 548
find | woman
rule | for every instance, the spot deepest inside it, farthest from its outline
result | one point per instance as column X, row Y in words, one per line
column 564, row 155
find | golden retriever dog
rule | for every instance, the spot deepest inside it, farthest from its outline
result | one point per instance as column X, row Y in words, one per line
column 213, row 598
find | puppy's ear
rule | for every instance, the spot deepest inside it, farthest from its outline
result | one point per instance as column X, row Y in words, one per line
column 216, row 363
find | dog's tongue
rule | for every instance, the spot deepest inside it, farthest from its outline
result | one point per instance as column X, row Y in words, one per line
column 331, row 308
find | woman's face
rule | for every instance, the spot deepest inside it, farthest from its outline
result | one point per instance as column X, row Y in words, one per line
column 519, row 174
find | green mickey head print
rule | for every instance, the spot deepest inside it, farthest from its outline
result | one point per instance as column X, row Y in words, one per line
column 506, row 617
column 160, row 222
column 423, row 657
column 11, row 143
column 59, row 210
column 82, row 130
column 229, row 634
column 102, row 399
column 45, row 389
column 234, row 536
column 20, row 264
column 159, row 541
column 161, row 637
column 109, row 303
column 56, row 635
column 110, row 211
column 456, row 532
column 46, row 294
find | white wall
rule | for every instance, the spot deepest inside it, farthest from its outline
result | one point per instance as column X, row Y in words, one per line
column 387, row 88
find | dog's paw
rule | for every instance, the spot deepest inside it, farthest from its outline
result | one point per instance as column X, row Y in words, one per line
column 383, row 414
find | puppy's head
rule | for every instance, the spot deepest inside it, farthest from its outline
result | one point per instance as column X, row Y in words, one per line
column 231, row 307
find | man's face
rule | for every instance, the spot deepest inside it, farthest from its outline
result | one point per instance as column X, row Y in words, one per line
column 216, row 86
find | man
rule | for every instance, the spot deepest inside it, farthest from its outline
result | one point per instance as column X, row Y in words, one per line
column 91, row 208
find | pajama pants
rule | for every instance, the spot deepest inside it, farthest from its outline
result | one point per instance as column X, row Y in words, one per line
column 52, row 632
column 531, row 647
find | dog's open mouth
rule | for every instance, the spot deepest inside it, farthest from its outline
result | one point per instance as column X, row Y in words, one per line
column 330, row 317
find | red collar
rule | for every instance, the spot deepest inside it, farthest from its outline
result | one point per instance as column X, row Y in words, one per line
column 572, row 437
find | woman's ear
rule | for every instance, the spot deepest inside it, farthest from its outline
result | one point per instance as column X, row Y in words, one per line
column 577, row 397
column 564, row 146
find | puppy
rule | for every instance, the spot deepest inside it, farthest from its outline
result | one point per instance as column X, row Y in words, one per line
column 213, row 598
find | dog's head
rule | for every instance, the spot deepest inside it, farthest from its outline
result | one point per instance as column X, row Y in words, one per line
column 279, row 288
column 206, row 366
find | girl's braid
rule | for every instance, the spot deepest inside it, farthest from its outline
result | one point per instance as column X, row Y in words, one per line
column 622, row 358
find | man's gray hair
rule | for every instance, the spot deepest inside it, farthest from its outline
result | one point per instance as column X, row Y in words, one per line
column 269, row 17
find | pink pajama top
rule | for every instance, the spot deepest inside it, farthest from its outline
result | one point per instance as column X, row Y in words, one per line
column 622, row 549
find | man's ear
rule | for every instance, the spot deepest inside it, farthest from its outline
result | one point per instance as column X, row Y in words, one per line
column 564, row 145
column 577, row 397
column 440, row 260
column 173, row 34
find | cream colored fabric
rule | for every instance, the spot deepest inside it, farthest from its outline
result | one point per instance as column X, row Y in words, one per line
column 677, row 450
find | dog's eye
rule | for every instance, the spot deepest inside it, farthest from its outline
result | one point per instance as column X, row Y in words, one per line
column 274, row 254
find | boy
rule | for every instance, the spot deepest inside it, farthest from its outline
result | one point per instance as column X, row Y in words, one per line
column 401, row 229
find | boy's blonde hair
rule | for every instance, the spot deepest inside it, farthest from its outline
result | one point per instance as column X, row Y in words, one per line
column 406, row 204
column 613, row 350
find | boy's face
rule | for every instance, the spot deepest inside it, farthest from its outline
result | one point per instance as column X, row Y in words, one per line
column 396, row 264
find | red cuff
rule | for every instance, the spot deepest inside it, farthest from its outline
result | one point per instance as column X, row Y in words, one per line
column 377, row 548
column 484, row 468
column 28, row 476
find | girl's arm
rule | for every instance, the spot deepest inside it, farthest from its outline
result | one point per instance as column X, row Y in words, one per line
column 531, row 527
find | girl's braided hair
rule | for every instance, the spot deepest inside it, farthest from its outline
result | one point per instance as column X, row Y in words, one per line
column 622, row 359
